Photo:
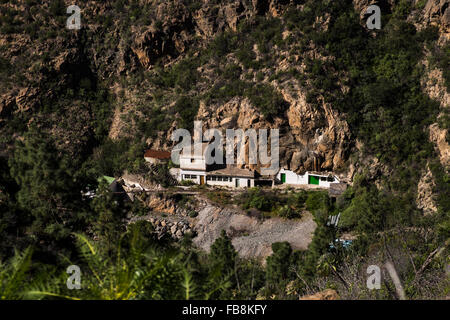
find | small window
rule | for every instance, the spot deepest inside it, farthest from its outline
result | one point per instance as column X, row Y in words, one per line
column 219, row 178
column 208, row 178
column 330, row 179
column 323, row 179
column 213, row 178
column 193, row 177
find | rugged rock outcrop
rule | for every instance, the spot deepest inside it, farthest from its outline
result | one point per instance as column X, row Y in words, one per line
column 438, row 137
column 160, row 203
column 362, row 5
column 321, row 137
column 166, row 39
column 433, row 85
column 437, row 12
column 27, row 99
column 425, row 199
column 178, row 25
column 311, row 138
column 149, row 46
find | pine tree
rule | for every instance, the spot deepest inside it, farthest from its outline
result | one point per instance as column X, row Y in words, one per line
column 277, row 268
column 223, row 255
column 222, row 263
column 49, row 189
column 110, row 213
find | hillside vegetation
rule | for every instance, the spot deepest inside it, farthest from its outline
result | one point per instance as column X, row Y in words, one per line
column 79, row 104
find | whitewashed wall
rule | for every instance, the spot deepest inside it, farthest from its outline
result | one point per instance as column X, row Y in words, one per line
column 293, row 178
column 243, row 182
column 196, row 163
column 192, row 172
column 221, row 183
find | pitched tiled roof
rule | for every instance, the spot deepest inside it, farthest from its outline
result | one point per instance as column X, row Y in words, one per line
column 157, row 154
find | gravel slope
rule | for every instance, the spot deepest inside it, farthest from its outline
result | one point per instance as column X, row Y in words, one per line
column 250, row 236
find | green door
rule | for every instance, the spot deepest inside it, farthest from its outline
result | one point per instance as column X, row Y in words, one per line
column 313, row 180
column 283, row 178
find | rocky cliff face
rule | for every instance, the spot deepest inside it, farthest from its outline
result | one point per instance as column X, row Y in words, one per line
column 178, row 24
column 425, row 199
column 433, row 85
column 435, row 13
column 310, row 138
column 112, row 50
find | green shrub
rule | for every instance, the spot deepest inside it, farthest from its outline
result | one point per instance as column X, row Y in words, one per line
column 267, row 100
column 288, row 212
column 317, row 200
column 187, row 108
column 297, row 199
column 256, row 198
column 192, row 214
column 187, row 183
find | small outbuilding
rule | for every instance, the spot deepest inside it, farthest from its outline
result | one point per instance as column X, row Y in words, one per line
column 321, row 179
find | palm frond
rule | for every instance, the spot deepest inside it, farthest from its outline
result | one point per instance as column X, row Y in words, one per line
column 13, row 277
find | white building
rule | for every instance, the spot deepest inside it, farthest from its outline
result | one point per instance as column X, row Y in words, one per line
column 194, row 161
column 193, row 167
column 231, row 176
column 320, row 179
